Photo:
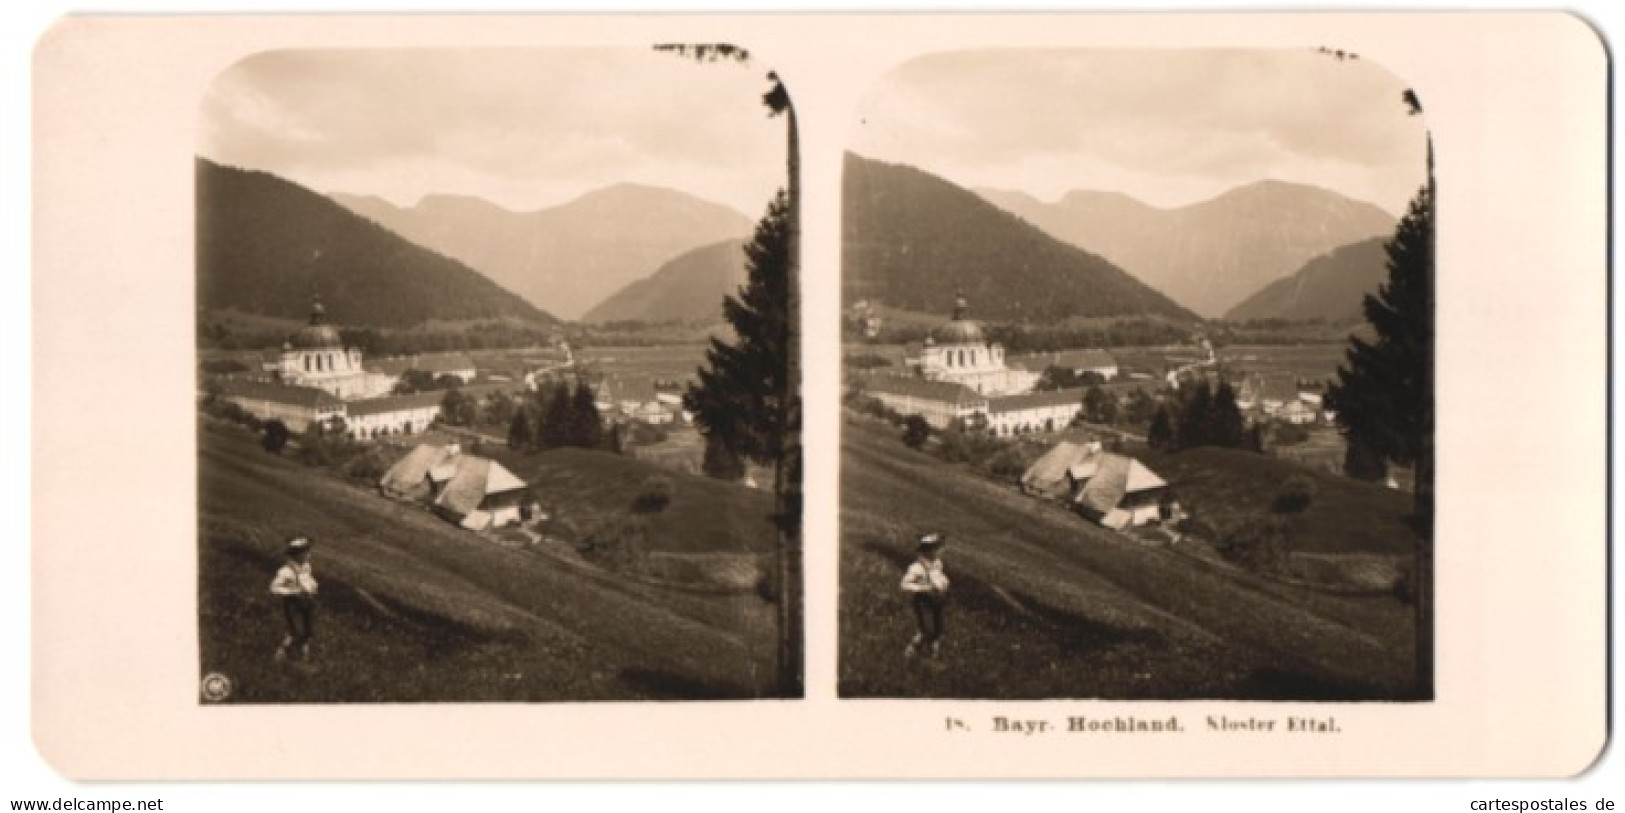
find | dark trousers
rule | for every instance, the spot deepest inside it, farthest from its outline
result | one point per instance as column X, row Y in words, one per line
column 300, row 613
column 928, row 616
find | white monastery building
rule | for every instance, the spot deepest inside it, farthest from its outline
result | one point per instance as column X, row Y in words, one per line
column 963, row 377
column 320, row 379
column 316, row 357
column 959, row 353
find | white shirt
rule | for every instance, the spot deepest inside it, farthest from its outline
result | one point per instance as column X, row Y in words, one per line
column 294, row 579
column 925, row 576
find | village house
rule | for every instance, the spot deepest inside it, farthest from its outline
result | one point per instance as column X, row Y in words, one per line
column 1296, row 412
column 316, row 357
column 1114, row 490
column 471, row 491
column 958, row 352
column 1266, row 393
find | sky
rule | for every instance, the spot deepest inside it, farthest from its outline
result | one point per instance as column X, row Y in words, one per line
column 523, row 128
column 1168, row 127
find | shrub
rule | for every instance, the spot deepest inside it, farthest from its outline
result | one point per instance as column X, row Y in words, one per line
column 275, row 437
column 1007, row 463
column 653, row 496
column 916, row 431
column 369, row 465
column 1254, row 543
column 314, row 451
column 1295, row 495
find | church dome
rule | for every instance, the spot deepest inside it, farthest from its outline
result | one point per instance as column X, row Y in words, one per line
column 318, row 335
column 961, row 329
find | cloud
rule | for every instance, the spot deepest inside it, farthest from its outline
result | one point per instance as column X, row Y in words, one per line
column 526, row 128
column 1193, row 119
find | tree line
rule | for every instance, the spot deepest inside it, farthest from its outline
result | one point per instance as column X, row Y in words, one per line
column 1200, row 414
column 558, row 414
column 217, row 334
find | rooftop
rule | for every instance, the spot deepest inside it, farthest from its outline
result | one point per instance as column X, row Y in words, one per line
column 310, row 397
column 945, row 391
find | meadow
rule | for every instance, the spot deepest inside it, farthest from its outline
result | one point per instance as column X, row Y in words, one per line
column 414, row 609
column 1047, row 605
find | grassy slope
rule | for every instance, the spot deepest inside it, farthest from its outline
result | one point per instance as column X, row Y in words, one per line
column 1346, row 516
column 414, row 609
column 1045, row 605
column 592, row 488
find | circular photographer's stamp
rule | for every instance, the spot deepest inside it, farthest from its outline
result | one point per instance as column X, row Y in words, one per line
column 216, row 687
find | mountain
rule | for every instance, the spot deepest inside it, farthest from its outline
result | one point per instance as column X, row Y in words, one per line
column 690, row 288
column 566, row 258
column 264, row 245
column 911, row 239
column 1331, row 286
column 1208, row 256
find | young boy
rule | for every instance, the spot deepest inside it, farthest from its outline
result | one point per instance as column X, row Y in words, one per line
column 927, row 585
column 295, row 585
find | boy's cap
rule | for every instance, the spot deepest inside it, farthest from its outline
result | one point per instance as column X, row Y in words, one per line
column 299, row 544
column 932, row 540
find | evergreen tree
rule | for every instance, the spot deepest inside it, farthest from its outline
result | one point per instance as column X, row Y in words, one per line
column 1364, row 463
column 458, row 409
column 1161, row 433
column 556, row 422
column 743, row 390
column 519, row 434
column 722, row 463
column 1384, row 393
column 1098, row 405
column 1226, row 427
column 1194, row 420
column 587, row 427
column 773, row 262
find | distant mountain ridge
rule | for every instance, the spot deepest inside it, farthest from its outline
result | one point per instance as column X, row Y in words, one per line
column 1331, row 287
column 1207, row 256
column 265, row 245
column 566, row 258
column 690, row 288
column 912, row 240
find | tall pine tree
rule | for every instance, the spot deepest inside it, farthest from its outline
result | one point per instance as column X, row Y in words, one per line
column 1194, row 417
column 587, row 426
column 785, row 251
column 1384, row 392
column 747, row 400
column 1161, row 433
column 1225, row 425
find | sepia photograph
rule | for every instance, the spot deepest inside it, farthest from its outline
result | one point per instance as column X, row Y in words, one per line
column 496, row 398
column 451, row 373
column 1138, row 379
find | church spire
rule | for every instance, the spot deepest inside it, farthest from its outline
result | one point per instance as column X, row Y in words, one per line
column 318, row 314
column 960, row 306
